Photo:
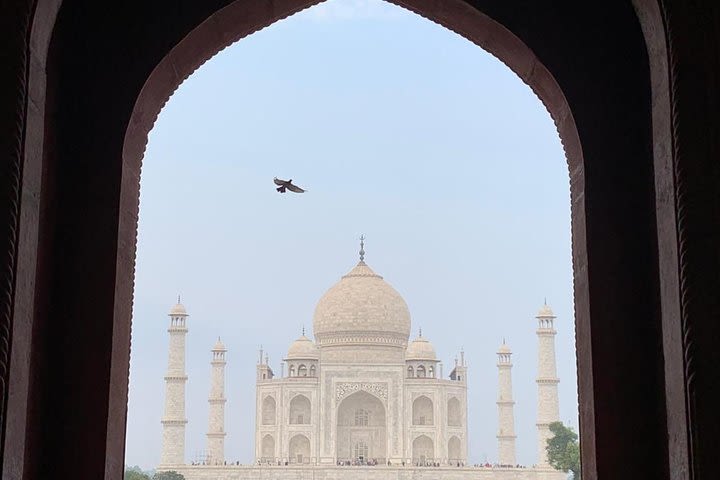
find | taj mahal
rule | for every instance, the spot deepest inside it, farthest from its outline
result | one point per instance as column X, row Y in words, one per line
column 359, row 400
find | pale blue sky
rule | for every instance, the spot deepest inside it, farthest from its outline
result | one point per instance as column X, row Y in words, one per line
column 401, row 130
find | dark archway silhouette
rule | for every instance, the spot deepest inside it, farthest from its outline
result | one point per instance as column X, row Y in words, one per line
column 640, row 132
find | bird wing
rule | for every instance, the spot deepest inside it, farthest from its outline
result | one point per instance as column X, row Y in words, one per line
column 294, row 188
column 279, row 182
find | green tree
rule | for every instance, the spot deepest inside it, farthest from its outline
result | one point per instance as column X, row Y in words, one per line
column 172, row 475
column 135, row 473
column 564, row 450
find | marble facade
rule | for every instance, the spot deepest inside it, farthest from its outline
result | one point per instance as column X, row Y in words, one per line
column 360, row 400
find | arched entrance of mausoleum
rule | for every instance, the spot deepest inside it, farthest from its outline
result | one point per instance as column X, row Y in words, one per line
column 361, row 430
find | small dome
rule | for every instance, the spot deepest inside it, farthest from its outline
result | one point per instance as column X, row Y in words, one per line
column 219, row 347
column 545, row 311
column 362, row 309
column 303, row 349
column 420, row 349
column 504, row 348
column 178, row 310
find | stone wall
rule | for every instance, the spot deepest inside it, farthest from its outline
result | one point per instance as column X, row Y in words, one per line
column 386, row 382
column 283, row 391
column 244, row 472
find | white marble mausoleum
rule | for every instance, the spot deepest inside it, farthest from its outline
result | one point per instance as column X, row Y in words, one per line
column 360, row 400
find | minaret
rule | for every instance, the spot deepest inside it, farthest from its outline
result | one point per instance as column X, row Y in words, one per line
column 506, row 418
column 459, row 373
column 547, row 381
column 264, row 372
column 174, row 421
column 216, row 424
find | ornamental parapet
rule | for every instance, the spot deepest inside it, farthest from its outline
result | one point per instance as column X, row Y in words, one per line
column 378, row 389
column 176, row 377
column 422, row 429
column 424, row 380
column 361, row 338
column 294, row 380
column 413, row 381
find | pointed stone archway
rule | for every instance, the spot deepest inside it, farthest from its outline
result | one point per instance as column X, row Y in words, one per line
column 299, row 449
column 617, row 114
column 361, row 427
column 423, row 451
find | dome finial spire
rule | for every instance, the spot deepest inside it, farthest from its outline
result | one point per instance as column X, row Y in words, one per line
column 362, row 248
column 303, row 330
column 178, row 299
column 420, row 332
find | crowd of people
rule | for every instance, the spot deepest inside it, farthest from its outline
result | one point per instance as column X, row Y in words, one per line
column 356, row 462
column 497, row 465
column 205, row 462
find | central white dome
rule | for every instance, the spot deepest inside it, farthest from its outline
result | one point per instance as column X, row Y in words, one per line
column 362, row 309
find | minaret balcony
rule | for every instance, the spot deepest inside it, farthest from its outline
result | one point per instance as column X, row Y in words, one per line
column 547, row 381
column 171, row 421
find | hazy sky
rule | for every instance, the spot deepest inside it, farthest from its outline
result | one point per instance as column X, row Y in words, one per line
column 401, row 130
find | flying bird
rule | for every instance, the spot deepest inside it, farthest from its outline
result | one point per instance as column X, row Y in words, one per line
column 287, row 185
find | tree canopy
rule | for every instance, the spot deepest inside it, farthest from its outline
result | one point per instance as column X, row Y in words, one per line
column 172, row 475
column 135, row 473
column 564, row 450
